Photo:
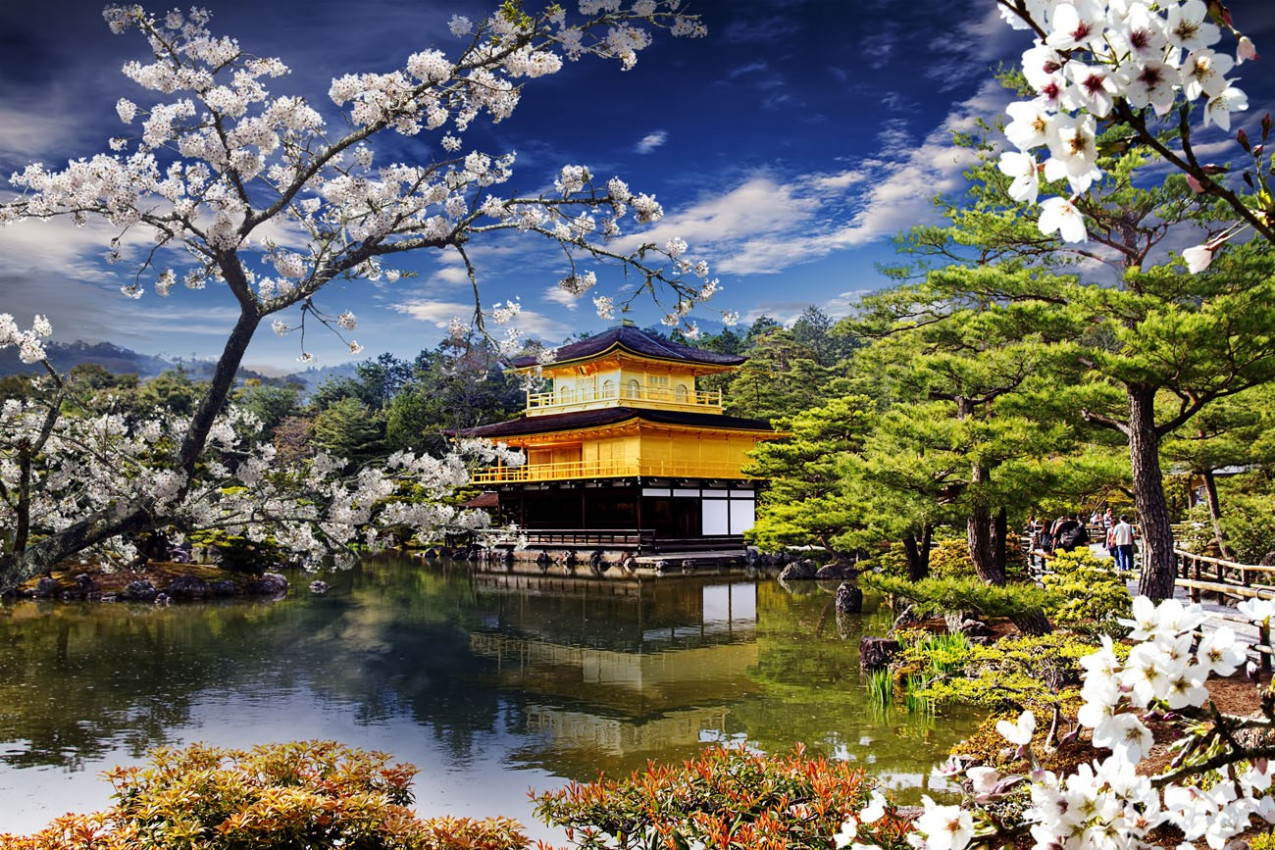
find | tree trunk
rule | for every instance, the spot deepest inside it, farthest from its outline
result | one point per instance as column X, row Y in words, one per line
column 1000, row 539
column 1033, row 621
column 1215, row 512
column 135, row 516
column 1148, row 486
column 980, row 531
column 918, row 552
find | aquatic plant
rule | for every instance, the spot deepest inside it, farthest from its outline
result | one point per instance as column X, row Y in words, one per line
column 880, row 688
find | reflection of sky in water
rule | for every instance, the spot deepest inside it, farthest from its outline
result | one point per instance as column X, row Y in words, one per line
column 483, row 786
column 491, row 687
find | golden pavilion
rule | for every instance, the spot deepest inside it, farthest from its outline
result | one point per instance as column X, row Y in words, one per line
column 622, row 439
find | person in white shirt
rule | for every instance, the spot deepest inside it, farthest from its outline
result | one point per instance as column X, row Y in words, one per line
column 1122, row 537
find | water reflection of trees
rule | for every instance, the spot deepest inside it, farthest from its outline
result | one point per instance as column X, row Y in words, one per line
column 572, row 678
column 78, row 680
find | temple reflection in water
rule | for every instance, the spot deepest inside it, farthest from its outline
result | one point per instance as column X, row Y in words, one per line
column 620, row 669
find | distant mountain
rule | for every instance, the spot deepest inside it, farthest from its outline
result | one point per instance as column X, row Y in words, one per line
column 316, row 375
column 64, row 356
column 123, row 361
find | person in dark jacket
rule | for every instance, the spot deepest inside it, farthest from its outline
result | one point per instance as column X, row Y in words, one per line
column 1071, row 535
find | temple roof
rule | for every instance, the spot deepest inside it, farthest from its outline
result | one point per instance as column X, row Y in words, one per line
column 635, row 341
column 611, row 416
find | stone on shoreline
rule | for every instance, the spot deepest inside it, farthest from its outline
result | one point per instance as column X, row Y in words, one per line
column 876, row 653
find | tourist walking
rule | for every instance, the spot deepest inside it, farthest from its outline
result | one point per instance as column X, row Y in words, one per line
column 1122, row 537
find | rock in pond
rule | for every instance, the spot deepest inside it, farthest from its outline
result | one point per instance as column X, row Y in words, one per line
column 849, row 599
column 189, row 587
column 802, row 570
column 139, row 591
column 876, row 653
column 269, row 584
column 840, row 570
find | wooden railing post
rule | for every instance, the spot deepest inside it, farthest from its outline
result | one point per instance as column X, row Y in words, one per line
column 1264, row 640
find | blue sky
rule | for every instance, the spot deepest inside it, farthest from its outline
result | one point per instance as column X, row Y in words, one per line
column 788, row 148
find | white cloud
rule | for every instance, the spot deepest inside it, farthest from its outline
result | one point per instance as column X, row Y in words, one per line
column 437, row 313
column 560, row 296
column 651, row 141
column 440, row 314
column 28, row 131
column 730, row 228
column 450, row 275
column 765, row 224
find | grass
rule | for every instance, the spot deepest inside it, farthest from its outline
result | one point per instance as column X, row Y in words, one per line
column 880, row 686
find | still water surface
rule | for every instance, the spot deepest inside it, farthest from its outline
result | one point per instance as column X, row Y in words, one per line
column 490, row 683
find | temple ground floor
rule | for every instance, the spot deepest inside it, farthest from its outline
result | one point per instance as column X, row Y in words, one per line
column 667, row 509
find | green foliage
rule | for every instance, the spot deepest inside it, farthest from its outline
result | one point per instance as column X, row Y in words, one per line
column 348, row 430
column 880, row 688
column 171, row 390
column 1263, row 841
column 1248, row 521
column 934, row 654
column 452, row 387
column 950, row 558
column 723, row 798
column 269, row 403
column 237, row 553
column 934, row 597
column 297, row 796
column 1085, row 589
column 780, row 379
column 809, row 500
column 1037, row 672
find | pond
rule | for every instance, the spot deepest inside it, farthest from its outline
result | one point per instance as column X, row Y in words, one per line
column 490, row 683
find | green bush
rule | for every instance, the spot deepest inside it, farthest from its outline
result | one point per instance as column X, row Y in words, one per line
column 950, row 558
column 935, row 597
column 237, row 553
column 1264, row 841
column 1246, row 522
column 1037, row 673
column 727, row 797
column 298, row 796
column 1085, row 589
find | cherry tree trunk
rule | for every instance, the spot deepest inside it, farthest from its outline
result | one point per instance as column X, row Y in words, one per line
column 136, row 515
column 1156, row 535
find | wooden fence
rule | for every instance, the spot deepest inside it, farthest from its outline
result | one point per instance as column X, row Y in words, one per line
column 1199, row 575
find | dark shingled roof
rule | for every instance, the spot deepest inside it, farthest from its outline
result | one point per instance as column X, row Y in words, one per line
column 638, row 342
column 610, row 416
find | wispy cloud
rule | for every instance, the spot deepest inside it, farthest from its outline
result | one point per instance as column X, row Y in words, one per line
column 766, row 224
column 762, row 30
column 440, row 314
column 967, row 53
column 560, row 296
column 749, row 68
column 651, row 141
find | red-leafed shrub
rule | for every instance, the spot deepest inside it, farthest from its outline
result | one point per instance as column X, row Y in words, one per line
column 725, row 798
